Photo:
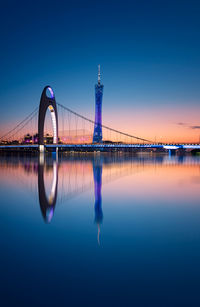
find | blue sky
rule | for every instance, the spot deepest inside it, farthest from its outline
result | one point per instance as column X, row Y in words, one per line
column 149, row 53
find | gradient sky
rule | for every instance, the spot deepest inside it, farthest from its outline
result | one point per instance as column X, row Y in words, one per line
column 149, row 53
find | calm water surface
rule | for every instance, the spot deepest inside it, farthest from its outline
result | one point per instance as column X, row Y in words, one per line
column 100, row 230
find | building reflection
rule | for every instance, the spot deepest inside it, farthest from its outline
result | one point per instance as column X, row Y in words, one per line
column 47, row 204
column 97, row 174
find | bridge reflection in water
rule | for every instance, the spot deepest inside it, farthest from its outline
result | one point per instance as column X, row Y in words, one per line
column 48, row 203
column 74, row 180
column 60, row 180
column 150, row 231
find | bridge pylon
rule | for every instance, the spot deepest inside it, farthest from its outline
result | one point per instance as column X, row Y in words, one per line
column 47, row 102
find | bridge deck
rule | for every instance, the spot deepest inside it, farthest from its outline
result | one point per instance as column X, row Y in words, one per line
column 104, row 146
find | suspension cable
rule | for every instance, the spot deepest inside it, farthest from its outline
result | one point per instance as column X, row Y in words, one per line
column 24, row 120
column 103, row 126
column 25, row 123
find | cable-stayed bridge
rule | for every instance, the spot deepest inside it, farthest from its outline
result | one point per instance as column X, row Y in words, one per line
column 73, row 132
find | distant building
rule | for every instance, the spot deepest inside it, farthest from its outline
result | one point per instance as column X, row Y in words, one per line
column 27, row 139
column 4, row 142
column 35, row 138
column 48, row 139
column 14, row 142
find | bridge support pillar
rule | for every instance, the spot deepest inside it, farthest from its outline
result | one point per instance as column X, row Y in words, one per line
column 172, row 152
column 41, row 157
column 41, row 148
column 55, row 150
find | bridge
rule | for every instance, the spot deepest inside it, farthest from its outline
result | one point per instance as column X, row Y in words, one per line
column 75, row 132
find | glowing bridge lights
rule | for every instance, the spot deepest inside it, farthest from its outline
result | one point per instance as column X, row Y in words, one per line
column 51, row 91
column 170, row 147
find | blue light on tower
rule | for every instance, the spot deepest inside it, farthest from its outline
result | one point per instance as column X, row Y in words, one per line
column 97, row 136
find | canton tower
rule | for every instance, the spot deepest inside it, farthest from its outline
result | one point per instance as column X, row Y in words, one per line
column 97, row 136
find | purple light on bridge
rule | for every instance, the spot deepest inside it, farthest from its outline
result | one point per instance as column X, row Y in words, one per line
column 51, row 92
column 49, row 214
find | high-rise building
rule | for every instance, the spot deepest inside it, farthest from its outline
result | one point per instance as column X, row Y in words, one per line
column 97, row 136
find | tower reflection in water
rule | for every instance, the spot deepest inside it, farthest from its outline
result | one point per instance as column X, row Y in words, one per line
column 47, row 204
column 97, row 173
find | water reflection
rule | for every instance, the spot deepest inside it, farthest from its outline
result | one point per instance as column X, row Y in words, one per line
column 79, row 173
column 115, row 166
column 150, row 228
column 47, row 204
column 97, row 172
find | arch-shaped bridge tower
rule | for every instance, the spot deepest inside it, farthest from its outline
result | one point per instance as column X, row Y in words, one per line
column 47, row 103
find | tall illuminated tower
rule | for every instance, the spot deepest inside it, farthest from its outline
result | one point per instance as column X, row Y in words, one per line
column 97, row 136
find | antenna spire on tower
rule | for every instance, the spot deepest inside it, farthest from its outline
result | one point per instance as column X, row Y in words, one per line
column 99, row 75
